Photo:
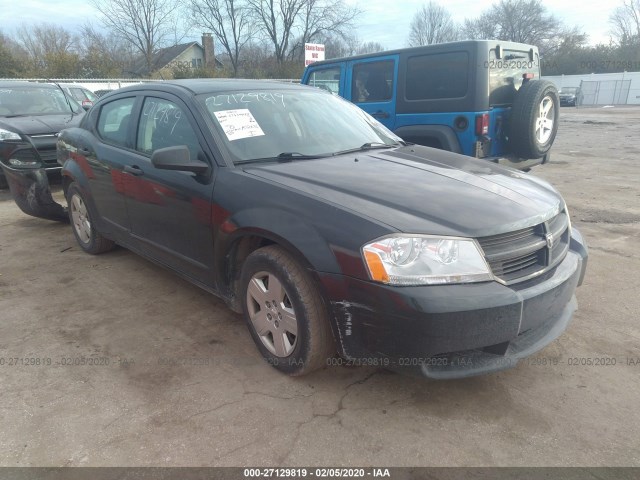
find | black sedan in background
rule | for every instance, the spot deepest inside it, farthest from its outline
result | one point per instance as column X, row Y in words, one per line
column 31, row 116
column 569, row 96
column 329, row 233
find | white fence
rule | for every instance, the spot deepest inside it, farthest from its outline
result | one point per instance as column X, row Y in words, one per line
column 603, row 88
column 94, row 84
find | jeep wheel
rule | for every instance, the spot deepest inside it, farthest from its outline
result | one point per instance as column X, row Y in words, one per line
column 534, row 119
column 285, row 313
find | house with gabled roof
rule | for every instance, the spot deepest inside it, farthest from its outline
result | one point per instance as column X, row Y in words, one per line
column 185, row 56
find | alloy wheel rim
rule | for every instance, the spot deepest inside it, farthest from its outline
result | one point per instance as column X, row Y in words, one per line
column 545, row 120
column 272, row 314
column 80, row 218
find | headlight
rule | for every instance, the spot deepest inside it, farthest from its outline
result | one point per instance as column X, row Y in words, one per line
column 425, row 260
column 8, row 135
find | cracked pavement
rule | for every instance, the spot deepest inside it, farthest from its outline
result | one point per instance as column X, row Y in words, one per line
column 185, row 386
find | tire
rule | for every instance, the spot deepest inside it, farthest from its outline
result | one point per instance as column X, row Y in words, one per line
column 83, row 228
column 293, row 333
column 534, row 119
column 3, row 182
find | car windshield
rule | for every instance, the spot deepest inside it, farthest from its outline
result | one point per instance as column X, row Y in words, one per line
column 292, row 124
column 33, row 100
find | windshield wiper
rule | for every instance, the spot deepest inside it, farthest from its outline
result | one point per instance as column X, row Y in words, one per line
column 284, row 156
column 368, row 146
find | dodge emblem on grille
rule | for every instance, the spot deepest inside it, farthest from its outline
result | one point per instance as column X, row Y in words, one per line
column 549, row 238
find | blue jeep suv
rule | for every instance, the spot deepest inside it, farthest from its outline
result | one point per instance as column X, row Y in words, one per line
column 482, row 98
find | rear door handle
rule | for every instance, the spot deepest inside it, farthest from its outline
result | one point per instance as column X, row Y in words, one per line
column 380, row 114
column 133, row 170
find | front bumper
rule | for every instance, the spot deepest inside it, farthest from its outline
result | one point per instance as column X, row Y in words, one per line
column 454, row 331
column 30, row 190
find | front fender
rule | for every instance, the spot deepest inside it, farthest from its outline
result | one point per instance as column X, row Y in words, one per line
column 284, row 228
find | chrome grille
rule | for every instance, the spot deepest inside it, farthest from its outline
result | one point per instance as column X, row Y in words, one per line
column 515, row 256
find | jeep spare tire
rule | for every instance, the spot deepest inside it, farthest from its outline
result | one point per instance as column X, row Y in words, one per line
column 534, row 118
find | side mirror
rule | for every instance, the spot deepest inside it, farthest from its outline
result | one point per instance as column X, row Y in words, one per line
column 87, row 104
column 178, row 158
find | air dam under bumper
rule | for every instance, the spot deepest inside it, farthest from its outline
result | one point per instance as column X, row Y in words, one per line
column 455, row 331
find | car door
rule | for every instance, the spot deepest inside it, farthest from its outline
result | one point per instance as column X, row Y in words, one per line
column 170, row 211
column 372, row 86
column 102, row 155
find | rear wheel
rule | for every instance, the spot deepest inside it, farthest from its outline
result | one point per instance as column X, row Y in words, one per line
column 83, row 228
column 534, row 119
column 285, row 312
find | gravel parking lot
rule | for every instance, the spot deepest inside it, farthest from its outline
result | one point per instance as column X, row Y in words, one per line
column 110, row 360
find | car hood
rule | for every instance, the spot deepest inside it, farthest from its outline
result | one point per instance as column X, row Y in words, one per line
column 40, row 124
column 422, row 190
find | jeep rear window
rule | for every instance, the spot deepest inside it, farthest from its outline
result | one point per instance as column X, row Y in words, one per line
column 436, row 76
column 327, row 79
column 505, row 74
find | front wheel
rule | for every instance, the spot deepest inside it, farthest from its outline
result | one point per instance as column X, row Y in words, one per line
column 82, row 225
column 285, row 313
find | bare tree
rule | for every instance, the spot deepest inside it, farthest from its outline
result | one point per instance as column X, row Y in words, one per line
column 51, row 49
column 287, row 24
column 230, row 22
column 146, row 24
column 524, row 21
column 481, row 28
column 369, row 47
column 625, row 22
column 9, row 53
column 276, row 19
column 104, row 55
column 320, row 18
column 431, row 24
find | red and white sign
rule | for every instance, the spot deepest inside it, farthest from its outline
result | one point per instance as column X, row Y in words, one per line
column 313, row 52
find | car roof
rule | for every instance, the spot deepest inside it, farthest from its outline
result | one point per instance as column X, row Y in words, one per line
column 447, row 46
column 70, row 85
column 218, row 85
column 18, row 84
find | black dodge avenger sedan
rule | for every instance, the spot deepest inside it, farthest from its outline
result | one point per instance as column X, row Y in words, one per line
column 329, row 233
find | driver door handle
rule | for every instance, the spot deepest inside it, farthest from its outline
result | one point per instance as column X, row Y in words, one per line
column 133, row 170
column 380, row 114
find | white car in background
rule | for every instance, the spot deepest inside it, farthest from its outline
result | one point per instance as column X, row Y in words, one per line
column 82, row 95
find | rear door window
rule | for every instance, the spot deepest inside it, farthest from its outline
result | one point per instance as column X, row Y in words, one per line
column 372, row 82
column 114, row 121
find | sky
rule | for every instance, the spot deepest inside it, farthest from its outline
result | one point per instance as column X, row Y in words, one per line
column 384, row 21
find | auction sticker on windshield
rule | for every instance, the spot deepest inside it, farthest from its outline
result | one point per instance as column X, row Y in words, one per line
column 238, row 124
